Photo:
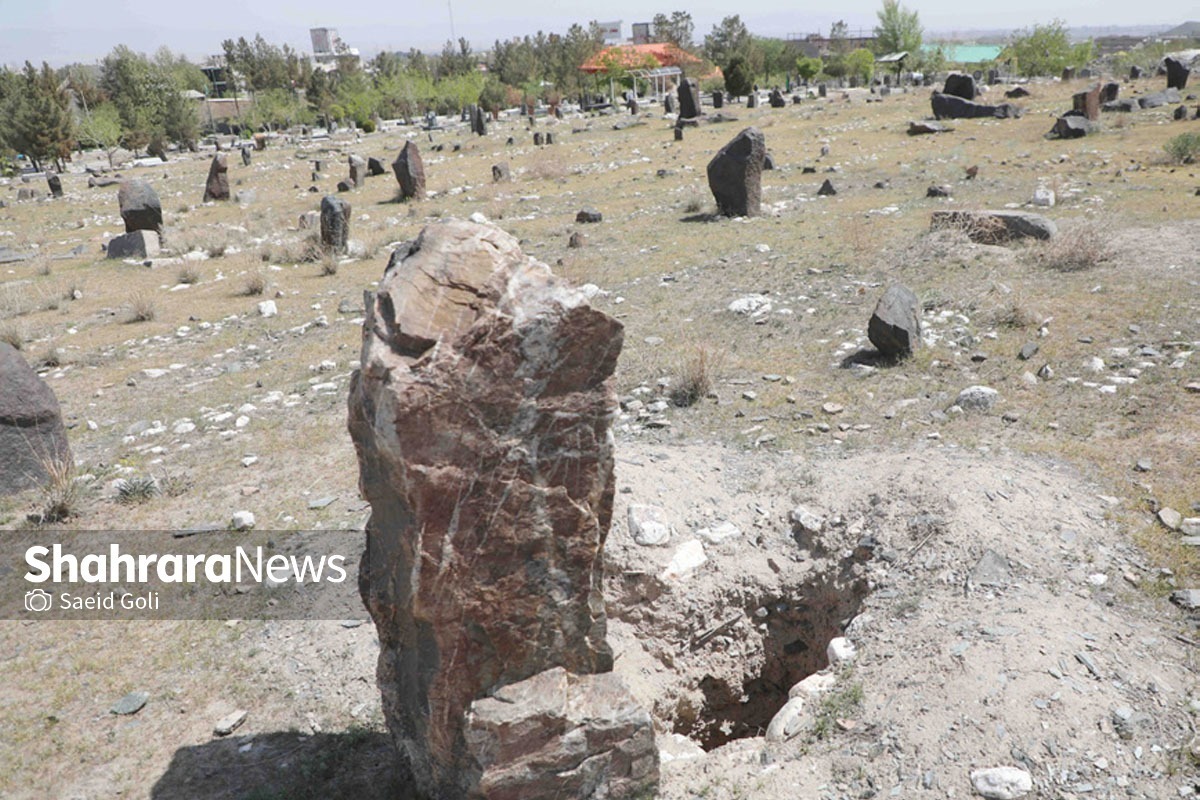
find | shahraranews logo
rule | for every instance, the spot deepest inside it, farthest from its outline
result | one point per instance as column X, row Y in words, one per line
column 52, row 564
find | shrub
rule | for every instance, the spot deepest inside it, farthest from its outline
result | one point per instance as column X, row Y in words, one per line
column 188, row 275
column 1184, row 148
column 139, row 489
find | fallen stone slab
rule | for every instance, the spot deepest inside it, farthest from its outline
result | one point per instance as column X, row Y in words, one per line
column 919, row 127
column 1125, row 105
column 946, row 106
column 995, row 227
column 1158, row 99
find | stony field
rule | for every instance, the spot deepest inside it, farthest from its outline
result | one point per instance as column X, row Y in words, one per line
column 1014, row 609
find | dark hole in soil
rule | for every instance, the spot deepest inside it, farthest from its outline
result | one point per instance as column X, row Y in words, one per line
column 798, row 630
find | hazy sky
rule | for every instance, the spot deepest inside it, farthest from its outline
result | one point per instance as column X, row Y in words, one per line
column 62, row 31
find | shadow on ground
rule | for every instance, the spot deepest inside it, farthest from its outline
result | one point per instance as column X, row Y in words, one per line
column 869, row 357
column 287, row 766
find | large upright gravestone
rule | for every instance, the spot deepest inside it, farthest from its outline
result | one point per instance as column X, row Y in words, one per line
column 735, row 174
column 481, row 419
column 32, row 437
column 689, row 99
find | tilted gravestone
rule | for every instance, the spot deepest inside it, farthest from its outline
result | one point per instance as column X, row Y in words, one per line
column 410, row 172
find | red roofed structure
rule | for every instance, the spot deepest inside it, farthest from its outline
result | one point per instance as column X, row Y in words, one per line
column 639, row 56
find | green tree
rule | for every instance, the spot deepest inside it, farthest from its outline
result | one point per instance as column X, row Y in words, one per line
column 899, row 29
column 860, row 64
column 492, row 96
column 100, row 127
column 35, row 116
column 773, row 58
column 808, row 68
column 738, row 81
column 677, row 29
column 729, row 38
column 1045, row 50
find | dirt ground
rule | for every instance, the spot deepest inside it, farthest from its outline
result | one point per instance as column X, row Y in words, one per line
column 1001, row 576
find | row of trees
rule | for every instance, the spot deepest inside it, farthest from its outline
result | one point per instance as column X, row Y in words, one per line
column 142, row 103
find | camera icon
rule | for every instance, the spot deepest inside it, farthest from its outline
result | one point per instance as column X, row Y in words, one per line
column 38, row 600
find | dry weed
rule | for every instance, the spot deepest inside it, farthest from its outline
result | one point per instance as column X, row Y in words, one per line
column 254, row 285
column 141, row 308
column 1081, row 246
column 12, row 335
column 695, row 375
column 62, row 493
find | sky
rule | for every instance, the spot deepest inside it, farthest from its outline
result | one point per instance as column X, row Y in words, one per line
column 65, row 31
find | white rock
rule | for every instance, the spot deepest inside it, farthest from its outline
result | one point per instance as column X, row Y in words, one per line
column 1043, row 197
column 840, row 651
column 230, row 723
column 677, row 747
column 1170, row 518
column 1190, row 526
column 241, row 421
column 750, row 304
column 267, row 308
column 1094, row 364
column 977, row 398
column 719, row 532
column 1001, row 783
column 649, row 526
column 478, row 218
column 688, row 557
column 807, row 521
column 789, row 720
column 183, row 426
column 242, row 520
column 814, row 685
column 92, row 426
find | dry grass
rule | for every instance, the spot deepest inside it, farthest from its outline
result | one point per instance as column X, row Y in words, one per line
column 188, row 275
column 330, row 261
column 696, row 374
column 142, row 308
column 13, row 335
column 1079, row 245
column 254, row 285
column 62, row 494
